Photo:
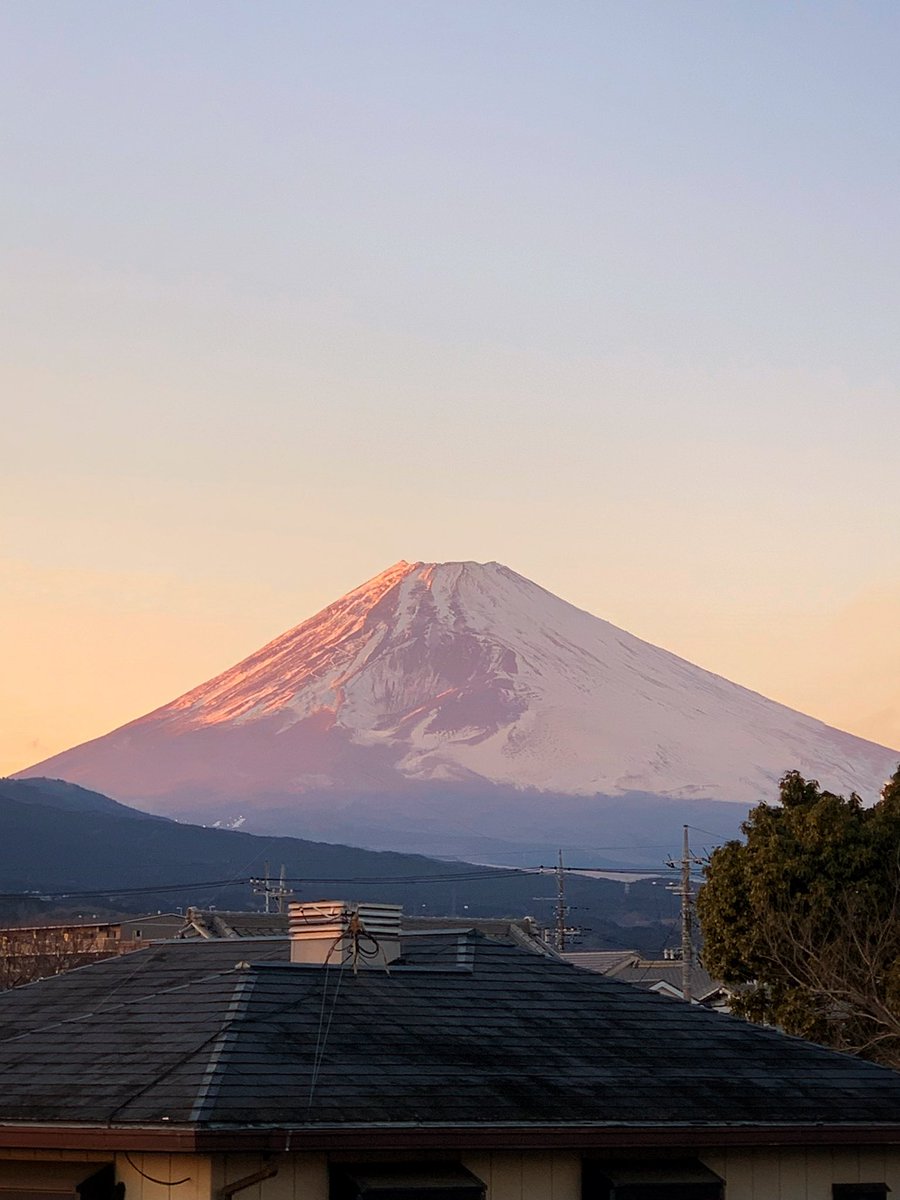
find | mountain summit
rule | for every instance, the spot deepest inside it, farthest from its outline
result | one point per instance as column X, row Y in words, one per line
column 460, row 677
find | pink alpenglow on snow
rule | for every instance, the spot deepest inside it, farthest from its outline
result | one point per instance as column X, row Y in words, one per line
column 462, row 675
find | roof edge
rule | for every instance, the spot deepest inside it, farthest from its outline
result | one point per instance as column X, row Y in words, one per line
column 586, row 1138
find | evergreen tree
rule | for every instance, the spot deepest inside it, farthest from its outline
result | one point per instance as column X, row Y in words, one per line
column 803, row 919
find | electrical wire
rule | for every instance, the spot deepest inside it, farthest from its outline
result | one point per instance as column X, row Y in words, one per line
column 322, row 1040
column 196, row 885
column 151, row 1178
column 152, row 889
column 485, row 873
column 697, row 829
column 246, row 867
column 478, row 875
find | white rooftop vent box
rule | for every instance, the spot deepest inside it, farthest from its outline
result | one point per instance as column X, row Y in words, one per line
column 337, row 933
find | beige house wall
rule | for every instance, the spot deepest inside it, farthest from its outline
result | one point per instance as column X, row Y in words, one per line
column 758, row 1174
column 802, row 1174
column 159, row 1176
column 300, row 1176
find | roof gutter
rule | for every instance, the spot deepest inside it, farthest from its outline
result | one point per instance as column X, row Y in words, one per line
column 583, row 1138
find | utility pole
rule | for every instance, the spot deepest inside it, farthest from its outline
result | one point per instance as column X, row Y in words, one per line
column 561, row 909
column 559, row 932
column 684, row 891
column 265, row 888
column 283, row 891
column 687, row 945
column 279, row 893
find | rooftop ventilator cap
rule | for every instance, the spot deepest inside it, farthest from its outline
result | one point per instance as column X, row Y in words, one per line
column 337, row 933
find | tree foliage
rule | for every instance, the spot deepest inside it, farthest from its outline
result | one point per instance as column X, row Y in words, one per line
column 803, row 919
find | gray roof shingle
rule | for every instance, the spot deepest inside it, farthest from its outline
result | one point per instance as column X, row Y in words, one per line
column 463, row 1030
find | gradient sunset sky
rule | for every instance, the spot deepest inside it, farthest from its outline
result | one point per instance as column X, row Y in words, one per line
column 606, row 291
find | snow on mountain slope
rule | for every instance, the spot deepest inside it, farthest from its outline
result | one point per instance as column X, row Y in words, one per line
column 466, row 674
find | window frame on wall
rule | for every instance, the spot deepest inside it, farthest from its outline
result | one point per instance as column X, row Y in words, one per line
column 859, row 1191
column 443, row 1180
column 650, row 1179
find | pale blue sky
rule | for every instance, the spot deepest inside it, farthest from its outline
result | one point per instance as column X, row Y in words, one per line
column 606, row 291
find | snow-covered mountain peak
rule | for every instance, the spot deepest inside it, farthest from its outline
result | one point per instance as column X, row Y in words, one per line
column 411, row 621
column 468, row 672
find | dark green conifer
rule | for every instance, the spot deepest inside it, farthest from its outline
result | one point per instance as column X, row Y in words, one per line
column 803, row 918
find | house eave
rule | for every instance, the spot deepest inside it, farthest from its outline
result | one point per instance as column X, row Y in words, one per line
column 352, row 1138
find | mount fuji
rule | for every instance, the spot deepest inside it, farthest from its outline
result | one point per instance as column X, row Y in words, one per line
column 459, row 708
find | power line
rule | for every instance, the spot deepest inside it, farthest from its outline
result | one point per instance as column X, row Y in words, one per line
column 697, row 829
column 202, row 884
column 477, row 875
column 486, row 873
column 152, row 889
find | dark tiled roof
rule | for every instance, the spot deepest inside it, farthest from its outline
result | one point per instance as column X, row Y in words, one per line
column 464, row 1030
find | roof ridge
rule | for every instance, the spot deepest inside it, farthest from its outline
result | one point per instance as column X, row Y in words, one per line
column 211, row 1078
column 185, row 1058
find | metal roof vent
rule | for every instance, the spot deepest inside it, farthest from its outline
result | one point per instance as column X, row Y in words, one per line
column 336, row 933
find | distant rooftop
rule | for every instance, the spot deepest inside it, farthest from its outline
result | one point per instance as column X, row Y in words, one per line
column 212, row 923
column 653, row 974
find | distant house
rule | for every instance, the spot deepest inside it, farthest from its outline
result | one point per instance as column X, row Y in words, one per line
column 216, row 923
column 32, row 952
column 662, row 975
column 353, row 1061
